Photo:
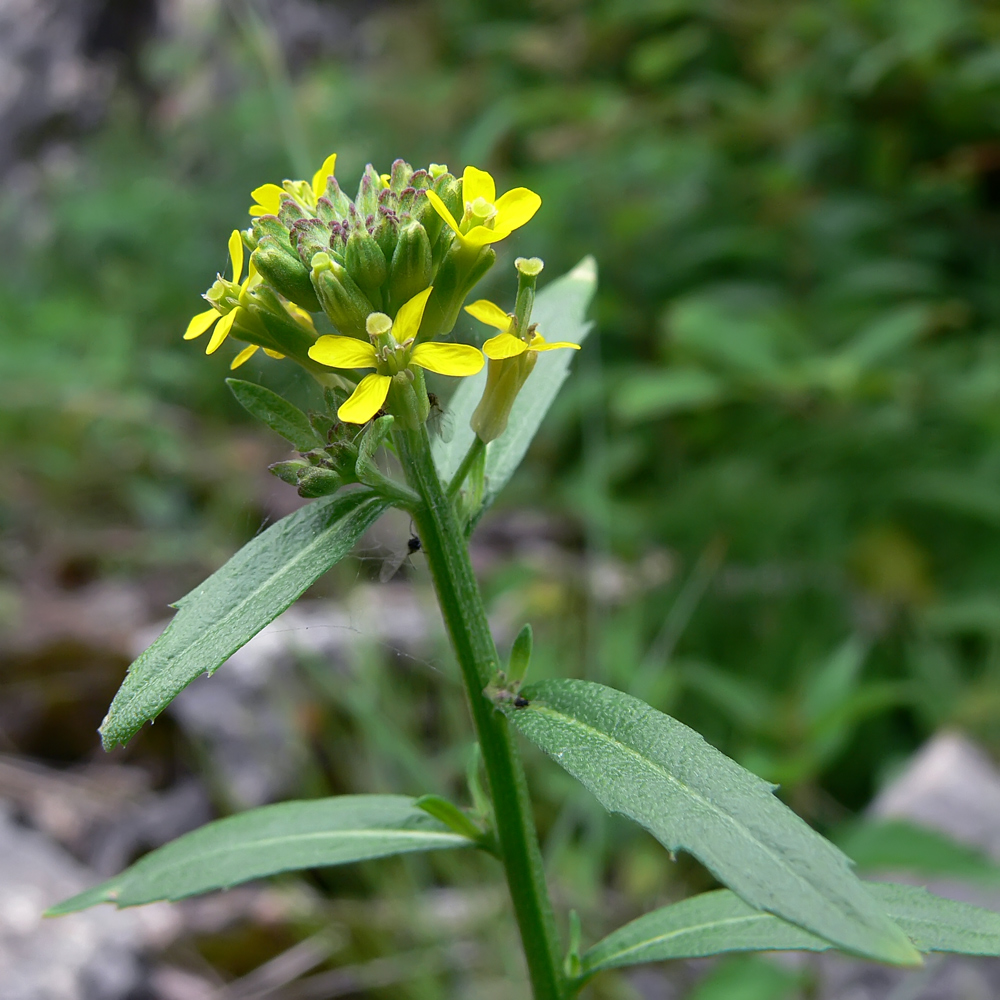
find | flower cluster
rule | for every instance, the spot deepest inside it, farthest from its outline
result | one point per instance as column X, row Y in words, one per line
column 389, row 270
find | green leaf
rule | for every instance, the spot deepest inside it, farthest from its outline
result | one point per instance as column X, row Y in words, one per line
column 559, row 311
column 281, row 416
column 663, row 775
column 718, row 922
column 899, row 846
column 236, row 602
column 278, row 838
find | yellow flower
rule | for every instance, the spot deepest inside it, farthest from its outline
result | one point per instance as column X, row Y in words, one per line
column 268, row 197
column 505, row 344
column 394, row 354
column 487, row 218
column 226, row 297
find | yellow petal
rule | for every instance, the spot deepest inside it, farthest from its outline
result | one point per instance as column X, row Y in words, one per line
column 243, row 357
column 489, row 313
column 267, row 198
column 366, row 400
column 319, row 178
column 236, row 254
column 385, row 179
column 479, row 236
column 221, row 331
column 407, row 322
column 447, row 359
column 273, row 354
column 442, row 209
column 478, row 183
column 504, row 346
column 200, row 322
column 539, row 343
column 343, row 352
column 515, row 208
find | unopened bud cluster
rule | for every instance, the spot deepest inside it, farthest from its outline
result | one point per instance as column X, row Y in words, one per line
column 352, row 258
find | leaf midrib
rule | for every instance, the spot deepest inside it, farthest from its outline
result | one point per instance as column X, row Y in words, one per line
column 748, row 918
column 230, row 850
column 659, row 768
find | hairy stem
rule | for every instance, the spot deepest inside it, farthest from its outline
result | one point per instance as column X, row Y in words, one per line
column 444, row 545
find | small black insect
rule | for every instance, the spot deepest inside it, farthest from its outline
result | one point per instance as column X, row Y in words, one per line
column 413, row 545
column 521, row 702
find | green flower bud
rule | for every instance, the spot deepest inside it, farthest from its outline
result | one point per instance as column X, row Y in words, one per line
column 273, row 328
column 288, row 472
column 310, row 237
column 279, row 265
column 504, row 380
column 411, row 270
column 342, row 300
column 368, row 192
column 399, row 177
column 366, row 264
column 318, row 482
column 461, row 269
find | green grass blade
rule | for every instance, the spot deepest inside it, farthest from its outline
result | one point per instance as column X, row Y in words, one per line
column 281, row 416
column 718, row 922
column 560, row 310
column 236, row 602
column 278, row 838
column 651, row 768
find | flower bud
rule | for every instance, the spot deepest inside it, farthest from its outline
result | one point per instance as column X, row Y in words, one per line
column 366, row 264
column 265, row 321
column 310, row 237
column 368, row 192
column 400, row 176
column 504, row 380
column 342, row 300
column 282, row 269
column 288, row 472
column 411, row 271
column 461, row 269
column 318, row 482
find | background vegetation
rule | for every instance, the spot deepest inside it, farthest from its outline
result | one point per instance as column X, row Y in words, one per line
column 769, row 499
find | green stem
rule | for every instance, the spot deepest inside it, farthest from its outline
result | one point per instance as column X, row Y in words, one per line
column 463, row 470
column 444, row 545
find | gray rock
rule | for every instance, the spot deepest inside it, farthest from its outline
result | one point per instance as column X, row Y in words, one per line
column 87, row 956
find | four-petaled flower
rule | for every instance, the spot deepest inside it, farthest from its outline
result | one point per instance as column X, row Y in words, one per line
column 486, row 218
column 268, row 197
column 506, row 344
column 226, row 298
column 394, row 354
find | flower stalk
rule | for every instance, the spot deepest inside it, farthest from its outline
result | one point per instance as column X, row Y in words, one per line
column 461, row 603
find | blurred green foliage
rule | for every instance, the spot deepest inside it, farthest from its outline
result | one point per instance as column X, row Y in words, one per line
column 782, row 450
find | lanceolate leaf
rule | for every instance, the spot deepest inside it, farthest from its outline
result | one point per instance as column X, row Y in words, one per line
column 278, row 838
column 281, row 416
column 720, row 921
column 236, row 602
column 559, row 311
column 648, row 766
